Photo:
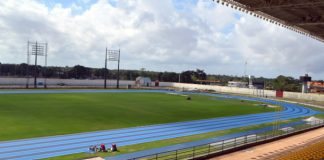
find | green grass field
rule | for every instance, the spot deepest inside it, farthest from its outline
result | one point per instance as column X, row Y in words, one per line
column 35, row 115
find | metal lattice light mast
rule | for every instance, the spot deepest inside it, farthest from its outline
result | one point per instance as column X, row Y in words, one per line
column 105, row 73
column 112, row 55
column 36, row 49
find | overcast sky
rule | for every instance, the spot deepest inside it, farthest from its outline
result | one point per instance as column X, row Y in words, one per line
column 159, row 35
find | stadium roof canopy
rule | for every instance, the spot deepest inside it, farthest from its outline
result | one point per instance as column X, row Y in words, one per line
column 303, row 16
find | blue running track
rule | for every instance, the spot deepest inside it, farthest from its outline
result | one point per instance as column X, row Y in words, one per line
column 187, row 145
column 44, row 147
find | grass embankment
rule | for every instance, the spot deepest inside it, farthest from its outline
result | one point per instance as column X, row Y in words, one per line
column 35, row 115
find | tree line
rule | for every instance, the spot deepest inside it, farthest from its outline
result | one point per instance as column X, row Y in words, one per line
column 82, row 72
column 191, row 76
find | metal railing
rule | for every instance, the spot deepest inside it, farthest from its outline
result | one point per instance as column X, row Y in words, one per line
column 224, row 145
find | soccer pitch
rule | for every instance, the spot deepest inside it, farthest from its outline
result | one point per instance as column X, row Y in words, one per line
column 36, row 115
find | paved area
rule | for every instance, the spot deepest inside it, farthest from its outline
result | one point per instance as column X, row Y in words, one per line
column 274, row 149
column 44, row 147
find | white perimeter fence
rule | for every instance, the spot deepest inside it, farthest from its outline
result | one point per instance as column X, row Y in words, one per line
column 99, row 82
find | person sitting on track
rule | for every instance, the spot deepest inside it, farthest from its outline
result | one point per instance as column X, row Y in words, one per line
column 103, row 148
column 97, row 149
column 113, row 148
column 92, row 149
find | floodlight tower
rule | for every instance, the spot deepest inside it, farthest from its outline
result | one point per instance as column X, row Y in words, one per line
column 36, row 49
column 245, row 67
column 112, row 55
column 105, row 73
column 245, row 76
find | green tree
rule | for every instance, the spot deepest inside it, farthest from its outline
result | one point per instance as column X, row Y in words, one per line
column 80, row 72
column 286, row 84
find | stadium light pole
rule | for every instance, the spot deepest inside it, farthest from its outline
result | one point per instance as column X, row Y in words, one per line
column 36, row 49
column 45, row 71
column 180, row 77
column 27, row 69
column 118, row 69
column 113, row 55
column 35, row 67
column 105, row 72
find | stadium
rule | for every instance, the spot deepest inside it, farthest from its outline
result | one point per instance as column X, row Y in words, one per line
column 145, row 116
column 116, row 118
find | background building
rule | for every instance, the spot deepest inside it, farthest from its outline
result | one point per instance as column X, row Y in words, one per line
column 237, row 84
column 143, row 81
column 315, row 87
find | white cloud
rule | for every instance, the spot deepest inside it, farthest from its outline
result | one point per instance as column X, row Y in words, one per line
column 157, row 35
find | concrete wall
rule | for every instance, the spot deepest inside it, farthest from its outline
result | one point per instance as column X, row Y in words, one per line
column 223, row 89
column 100, row 82
column 305, row 96
column 67, row 82
column 247, row 91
